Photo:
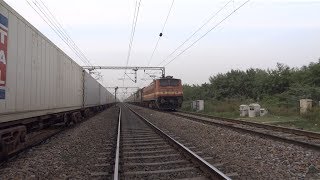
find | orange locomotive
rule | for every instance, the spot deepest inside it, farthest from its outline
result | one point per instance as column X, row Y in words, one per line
column 163, row 93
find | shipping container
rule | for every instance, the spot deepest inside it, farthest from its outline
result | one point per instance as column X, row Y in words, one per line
column 110, row 97
column 91, row 91
column 36, row 77
column 103, row 95
column 39, row 84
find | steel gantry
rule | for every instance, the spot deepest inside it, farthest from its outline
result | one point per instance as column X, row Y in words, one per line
column 133, row 68
column 119, row 87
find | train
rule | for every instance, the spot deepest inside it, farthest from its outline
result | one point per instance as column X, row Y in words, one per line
column 39, row 84
column 165, row 93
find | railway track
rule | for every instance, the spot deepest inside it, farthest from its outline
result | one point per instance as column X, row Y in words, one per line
column 294, row 136
column 143, row 151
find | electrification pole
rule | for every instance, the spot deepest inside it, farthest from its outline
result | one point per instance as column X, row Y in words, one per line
column 134, row 68
column 116, row 89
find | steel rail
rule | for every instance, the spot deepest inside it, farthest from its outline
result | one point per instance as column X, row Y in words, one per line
column 117, row 156
column 206, row 167
column 264, row 134
column 265, row 126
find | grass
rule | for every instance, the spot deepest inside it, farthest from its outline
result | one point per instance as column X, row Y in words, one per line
column 229, row 109
column 297, row 122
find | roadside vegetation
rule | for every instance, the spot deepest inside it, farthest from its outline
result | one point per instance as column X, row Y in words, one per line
column 278, row 90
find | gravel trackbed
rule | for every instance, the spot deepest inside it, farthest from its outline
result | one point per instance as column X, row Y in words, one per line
column 70, row 154
column 251, row 156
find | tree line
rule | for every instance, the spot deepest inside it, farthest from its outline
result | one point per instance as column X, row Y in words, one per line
column 282, row 84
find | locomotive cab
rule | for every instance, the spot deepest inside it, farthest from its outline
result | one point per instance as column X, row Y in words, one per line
column 164, row 93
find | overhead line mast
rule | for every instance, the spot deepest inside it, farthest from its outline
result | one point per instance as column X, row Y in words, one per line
column 134, row 68
column 116, row 90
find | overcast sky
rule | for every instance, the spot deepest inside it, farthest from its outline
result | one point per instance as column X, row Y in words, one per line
column 258, row 35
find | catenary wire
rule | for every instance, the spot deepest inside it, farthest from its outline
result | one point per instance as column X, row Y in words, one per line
column 64, row 32
column 58, row 29
column 164, row 25
column 133, row 33
column 135, row 19
column 132, row 27
column 207, row 32
column 61, row 32
column 196, row 31
column 49, row 24
column 160, row 35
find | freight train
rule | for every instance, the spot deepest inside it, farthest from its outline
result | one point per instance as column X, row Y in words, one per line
column 39, row 84
column 165, row 93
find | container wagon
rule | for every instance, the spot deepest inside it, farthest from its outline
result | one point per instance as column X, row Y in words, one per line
column 39, row 84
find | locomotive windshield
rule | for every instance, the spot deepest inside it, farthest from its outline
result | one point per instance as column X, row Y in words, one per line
column 169, row 82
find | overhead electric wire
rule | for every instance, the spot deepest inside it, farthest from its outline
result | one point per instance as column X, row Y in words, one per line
column 196, row 31
column 53, row 26
column 133, row 32
column 65, row 32
column 207, row 32
column 52, row 22
column 160, row 35
column 129, row 49
column 47, row 16
column 133, row 29
column 57, row 30
column 49, row 24
column 62, row 31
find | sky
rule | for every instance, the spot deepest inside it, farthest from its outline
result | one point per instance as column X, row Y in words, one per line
column 258, row 35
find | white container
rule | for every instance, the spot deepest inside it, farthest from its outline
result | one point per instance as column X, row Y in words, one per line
column 110, row 98
column 263, row 112
column 254, row 110
column 305, row 105
column 103, row 95
column 199, row 105
column 91, row 91
column 40, row 78
column 244, row 110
